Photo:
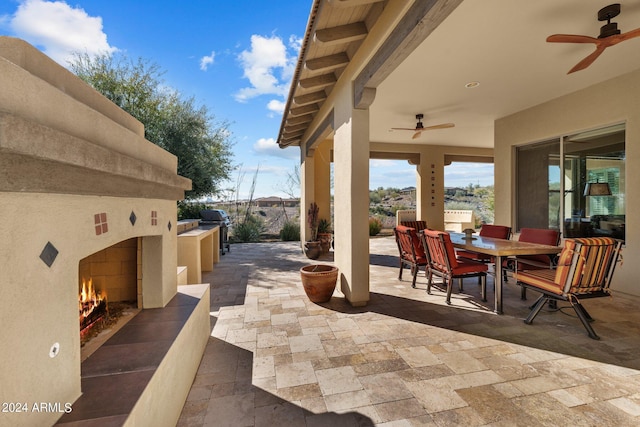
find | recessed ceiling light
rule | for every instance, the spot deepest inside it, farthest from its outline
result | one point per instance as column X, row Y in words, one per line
column 472, row 84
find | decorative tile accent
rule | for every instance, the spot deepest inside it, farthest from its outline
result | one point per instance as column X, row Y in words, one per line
column 169, row 225
column 101, row 223
column 132, row 218
column 49, row 254
column 154, row 217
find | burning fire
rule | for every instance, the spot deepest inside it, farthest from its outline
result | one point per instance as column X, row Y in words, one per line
column 89, row 299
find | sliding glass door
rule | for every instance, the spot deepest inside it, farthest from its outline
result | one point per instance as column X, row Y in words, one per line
column 555, row 184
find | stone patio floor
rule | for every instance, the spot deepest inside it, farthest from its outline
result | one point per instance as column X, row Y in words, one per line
column 406, row 359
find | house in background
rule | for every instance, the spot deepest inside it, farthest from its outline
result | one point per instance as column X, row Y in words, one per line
column 368, row 68
column 269, row 202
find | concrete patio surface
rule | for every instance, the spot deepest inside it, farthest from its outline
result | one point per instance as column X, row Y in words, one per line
column 406, row 359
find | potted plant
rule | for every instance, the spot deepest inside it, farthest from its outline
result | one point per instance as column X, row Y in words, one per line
column 325, row 235
column 312, row 247
column 319, row 281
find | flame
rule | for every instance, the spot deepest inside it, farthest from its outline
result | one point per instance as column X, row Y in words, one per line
column 89, row 299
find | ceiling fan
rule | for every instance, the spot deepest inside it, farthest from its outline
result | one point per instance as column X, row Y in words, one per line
column 420, row 127
column 609, row 36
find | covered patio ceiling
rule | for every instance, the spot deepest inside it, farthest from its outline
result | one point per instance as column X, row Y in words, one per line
column 500, row 44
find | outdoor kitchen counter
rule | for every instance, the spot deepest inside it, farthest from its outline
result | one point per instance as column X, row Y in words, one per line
column 198, row 250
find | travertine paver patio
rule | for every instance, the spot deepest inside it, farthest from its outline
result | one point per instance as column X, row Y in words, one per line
column 406, row 359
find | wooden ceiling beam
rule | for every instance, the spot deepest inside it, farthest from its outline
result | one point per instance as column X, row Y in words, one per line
column 310, row 98
column 417, row 24
column 327, row 62
column 295, row 128
column 299, row 119
column 298, row 111
column 322, row 80
column 341, row 34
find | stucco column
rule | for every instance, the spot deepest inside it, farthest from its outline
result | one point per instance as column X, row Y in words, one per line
column 351, row 199
column 322, row 179
column 307, row 194
column 430, row 189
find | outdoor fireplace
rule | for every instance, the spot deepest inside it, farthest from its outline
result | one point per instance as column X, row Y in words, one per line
column 108, row 277
column 78, row 181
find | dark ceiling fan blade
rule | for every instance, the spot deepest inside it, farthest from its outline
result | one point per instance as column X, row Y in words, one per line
column 588, row 60
column 440, row 126
column 571, row 38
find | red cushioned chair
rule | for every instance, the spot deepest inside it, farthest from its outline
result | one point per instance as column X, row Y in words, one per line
column 442, row 261
column 411, row 251
column 487, row 230
column 543, row 236
column 418, row 225
column 585, row 269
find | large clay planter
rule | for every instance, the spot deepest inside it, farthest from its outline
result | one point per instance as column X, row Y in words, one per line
column 312, row 249
column 325, row 241
column 319, row 281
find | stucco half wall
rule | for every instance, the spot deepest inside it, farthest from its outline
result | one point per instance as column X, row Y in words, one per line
column 613, row 101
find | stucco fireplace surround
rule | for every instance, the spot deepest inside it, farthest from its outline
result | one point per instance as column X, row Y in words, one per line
column 76, row 177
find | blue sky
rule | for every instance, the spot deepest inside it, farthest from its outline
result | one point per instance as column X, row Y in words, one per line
column 235, row 57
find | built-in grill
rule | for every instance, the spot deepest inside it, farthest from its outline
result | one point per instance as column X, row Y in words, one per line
column 212, row 217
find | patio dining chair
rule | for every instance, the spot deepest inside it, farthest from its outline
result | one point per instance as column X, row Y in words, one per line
column 442, row 261
column 543, row 236
column 487, row 230
column 411, row 251
column 584, row 270
column 418, row 225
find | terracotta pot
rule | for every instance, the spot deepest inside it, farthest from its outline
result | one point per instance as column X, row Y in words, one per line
column 319, row 281
column 325, row 241
column 312, row 250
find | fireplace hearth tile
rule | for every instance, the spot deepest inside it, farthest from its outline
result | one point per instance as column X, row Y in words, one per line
column 123, row 391
column 146, row 332
column 112, row 421
column 116, row 359
column 49, row 254
column 167, row 314
column 123, row 366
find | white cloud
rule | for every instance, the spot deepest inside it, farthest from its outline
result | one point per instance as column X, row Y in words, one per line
column 276, row 106
column 59, row 30
column 295, row 42
column 205, row 61
column 268, row 66
column 269, row 147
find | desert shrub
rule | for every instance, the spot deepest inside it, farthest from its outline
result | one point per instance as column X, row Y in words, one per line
column 324, row 226
column 375, row 225
column 249, row 230
column 290, row 231
column 188, row 210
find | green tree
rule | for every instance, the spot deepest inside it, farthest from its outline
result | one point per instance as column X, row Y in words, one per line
column 176, row 124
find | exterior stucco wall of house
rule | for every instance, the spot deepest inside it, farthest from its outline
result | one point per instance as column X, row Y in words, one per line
column 610, row 102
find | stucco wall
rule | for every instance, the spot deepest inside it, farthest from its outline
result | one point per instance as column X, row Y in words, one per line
column 39, row 304
column 76, row 176
column 610, row 102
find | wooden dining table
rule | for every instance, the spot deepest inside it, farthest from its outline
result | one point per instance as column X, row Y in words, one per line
column 500, row 248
